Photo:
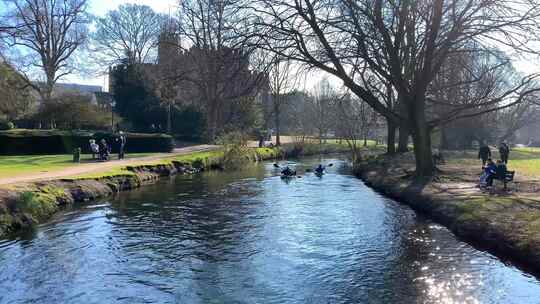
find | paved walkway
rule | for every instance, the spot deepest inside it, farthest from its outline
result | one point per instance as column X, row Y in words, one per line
column 101, row 166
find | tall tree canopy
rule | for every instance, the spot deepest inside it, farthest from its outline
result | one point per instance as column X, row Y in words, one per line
column 404, row 42
column 131, row 31
column 44, row 34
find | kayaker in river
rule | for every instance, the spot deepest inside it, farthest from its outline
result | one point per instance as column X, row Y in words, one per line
column 287, row 171
column 319, row 169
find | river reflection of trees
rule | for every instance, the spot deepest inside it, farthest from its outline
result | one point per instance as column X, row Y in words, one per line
column 188, row 226
column 249, row 237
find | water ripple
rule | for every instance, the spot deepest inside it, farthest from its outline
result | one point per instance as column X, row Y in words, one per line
column 250, row 237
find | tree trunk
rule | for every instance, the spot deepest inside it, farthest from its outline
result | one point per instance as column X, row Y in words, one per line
column 169, row 119
column 403, row 141
column 421, row 135
column 212, row 124
column 277, row 121
column 445, row 145
column 404, row 127
column 365, row 139
column 391, row 138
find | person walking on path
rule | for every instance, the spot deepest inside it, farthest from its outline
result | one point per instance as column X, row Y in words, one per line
column 504, row 152
column 484, row 153
column 121, row 139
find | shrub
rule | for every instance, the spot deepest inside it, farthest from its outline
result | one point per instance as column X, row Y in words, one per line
column 72, row 110
column 6, row 125
column 235, row 150
column 139, row 142
column 19, row 142
column 235, row 138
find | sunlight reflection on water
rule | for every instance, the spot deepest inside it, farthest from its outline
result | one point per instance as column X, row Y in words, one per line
column 250, row 237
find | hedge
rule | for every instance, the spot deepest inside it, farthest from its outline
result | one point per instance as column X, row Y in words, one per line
column 26, row 142
column 6, row 125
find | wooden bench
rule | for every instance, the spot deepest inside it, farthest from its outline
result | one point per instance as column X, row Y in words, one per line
column 505, row 177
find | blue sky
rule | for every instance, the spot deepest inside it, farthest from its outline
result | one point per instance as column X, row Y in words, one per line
column 101, row 7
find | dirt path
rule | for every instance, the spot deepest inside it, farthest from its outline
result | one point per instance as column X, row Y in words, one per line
column 101, row 166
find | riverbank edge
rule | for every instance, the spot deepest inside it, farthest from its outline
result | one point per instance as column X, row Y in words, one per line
column 22, row 206
column 505, row 235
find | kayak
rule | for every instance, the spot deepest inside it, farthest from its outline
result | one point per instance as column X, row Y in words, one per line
column 285, row 175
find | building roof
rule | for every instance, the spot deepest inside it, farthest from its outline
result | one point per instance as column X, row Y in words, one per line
column 83, row 88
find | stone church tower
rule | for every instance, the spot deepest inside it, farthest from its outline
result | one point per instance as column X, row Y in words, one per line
column 168, row 44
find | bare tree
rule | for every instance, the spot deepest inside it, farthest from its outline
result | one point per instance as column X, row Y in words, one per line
column 513, row 119
column 383, row 90
column 282, row 80
column 44, row 35
column 405, row 42
column 356, row 120
column 322, row 108
column 219, row 69
column 131, row 32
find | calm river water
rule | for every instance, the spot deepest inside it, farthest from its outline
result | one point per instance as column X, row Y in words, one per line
column 251, row 237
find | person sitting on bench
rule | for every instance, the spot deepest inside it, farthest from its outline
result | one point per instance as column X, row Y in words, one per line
column 496, row 171
column 503, row 174
column 103, row 150
column 94, row 148
column 501, row 170
column 490, row 171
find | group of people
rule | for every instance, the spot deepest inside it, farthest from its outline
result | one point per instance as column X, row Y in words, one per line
column 491, row 169
column 103, row 150
column 484, row 153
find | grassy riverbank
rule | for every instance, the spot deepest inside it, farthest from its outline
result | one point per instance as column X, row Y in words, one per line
column 11, row 166
column 505, row 222
column 25, row 204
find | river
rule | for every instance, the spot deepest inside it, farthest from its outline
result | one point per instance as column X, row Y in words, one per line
column 251, row 237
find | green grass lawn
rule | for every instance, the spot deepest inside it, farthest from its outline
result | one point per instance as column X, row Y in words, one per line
column 525, row 161
column 11, row 166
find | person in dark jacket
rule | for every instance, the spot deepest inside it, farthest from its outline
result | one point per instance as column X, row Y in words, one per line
column 501, row 170
column 288, row 172
column 484, row 153
column 319, row 170
column 504, row 152
column 103, row 150
column 490, row 172
column 121, row 139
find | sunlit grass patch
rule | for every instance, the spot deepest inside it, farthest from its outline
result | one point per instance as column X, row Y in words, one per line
column 12, row 166
column 120, row 171
column 525, row 161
